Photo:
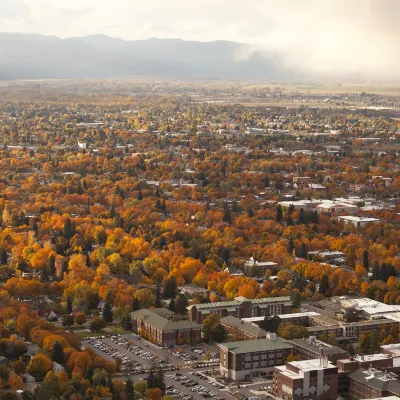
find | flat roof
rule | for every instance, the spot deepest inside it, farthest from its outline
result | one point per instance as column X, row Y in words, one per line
column 257, row 345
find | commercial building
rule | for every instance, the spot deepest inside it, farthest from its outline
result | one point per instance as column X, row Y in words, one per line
column 371, row 383
column 310, row 348
column 241, row 307
column 164, row 332
column 252, row 358
column 244, row 330
column 358, row 222
column 308, row 379
column 379, row 361
column 258, row 268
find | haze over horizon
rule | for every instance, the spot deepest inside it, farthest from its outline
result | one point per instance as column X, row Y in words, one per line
column 332, row 39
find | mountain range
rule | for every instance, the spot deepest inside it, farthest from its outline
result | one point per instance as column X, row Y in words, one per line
column 28, row 56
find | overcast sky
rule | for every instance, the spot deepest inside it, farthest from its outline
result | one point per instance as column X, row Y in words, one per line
column 315, row 35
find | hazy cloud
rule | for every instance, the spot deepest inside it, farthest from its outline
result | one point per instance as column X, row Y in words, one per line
column 324, row 37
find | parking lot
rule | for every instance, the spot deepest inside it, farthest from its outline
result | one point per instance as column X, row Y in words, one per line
column 135, row 359
column 193, row 385
column 187, row 369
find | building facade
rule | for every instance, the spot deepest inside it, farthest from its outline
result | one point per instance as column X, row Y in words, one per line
column 252, row 358
column 309, row 379
column 241, row 307
column 163, row 331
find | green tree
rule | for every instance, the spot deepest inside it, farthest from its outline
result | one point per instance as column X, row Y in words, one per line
column 107, row 313
column 97, row 324
column 129, row 390
column 169, row 287
column 212, row 329
column 68, row 320
column 68, row 229
column 181, row 302
column 57, row 354
column 290, row 331
column 279, row 213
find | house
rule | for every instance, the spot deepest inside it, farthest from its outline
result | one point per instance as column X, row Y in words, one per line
column 57, row 367
column 28, row 378
column 32, row 349
column 162, row 331
column 252, row 358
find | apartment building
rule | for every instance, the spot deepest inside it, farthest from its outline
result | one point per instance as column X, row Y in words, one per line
column 311, row 348
column 252, row 358
column 164, row 332
column 241, row 307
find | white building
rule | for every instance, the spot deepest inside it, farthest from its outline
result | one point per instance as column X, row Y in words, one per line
column 358, row 221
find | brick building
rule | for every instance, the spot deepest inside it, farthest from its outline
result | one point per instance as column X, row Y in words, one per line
column 252, row 358
column 244, row 330
column 241, row 307
column 371, row 383
column 164, row 332
column 308, row 379
column 378, row 361
column 310, row 348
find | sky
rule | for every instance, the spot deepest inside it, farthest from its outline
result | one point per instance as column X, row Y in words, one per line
column 317, row 36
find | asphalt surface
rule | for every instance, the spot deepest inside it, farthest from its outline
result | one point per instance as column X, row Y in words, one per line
column 184, row 371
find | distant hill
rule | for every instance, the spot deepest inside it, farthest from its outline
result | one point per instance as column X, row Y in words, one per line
column 25, row 56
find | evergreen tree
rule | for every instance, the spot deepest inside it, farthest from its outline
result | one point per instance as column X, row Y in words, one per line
column 3, row 257
column 69, row 305
column 135, row 304
column 129, row 390
column 169, row 288
column 302, row 217
column 151, row 378
column 140, row 195
column 266, row 181
column 107, row 313
column 250, row 212
column 127, row 322
column 57, row 354
column 279, row 213
column 303, row 251
column 68, row 229
column 52, row 265
column 88, row 263
column 227, row 215
column 291, row 246
column 158, row 297
column 366, row 259
column 289, row 221
column 159, row 380
column 172, row 305
column 324, row 284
